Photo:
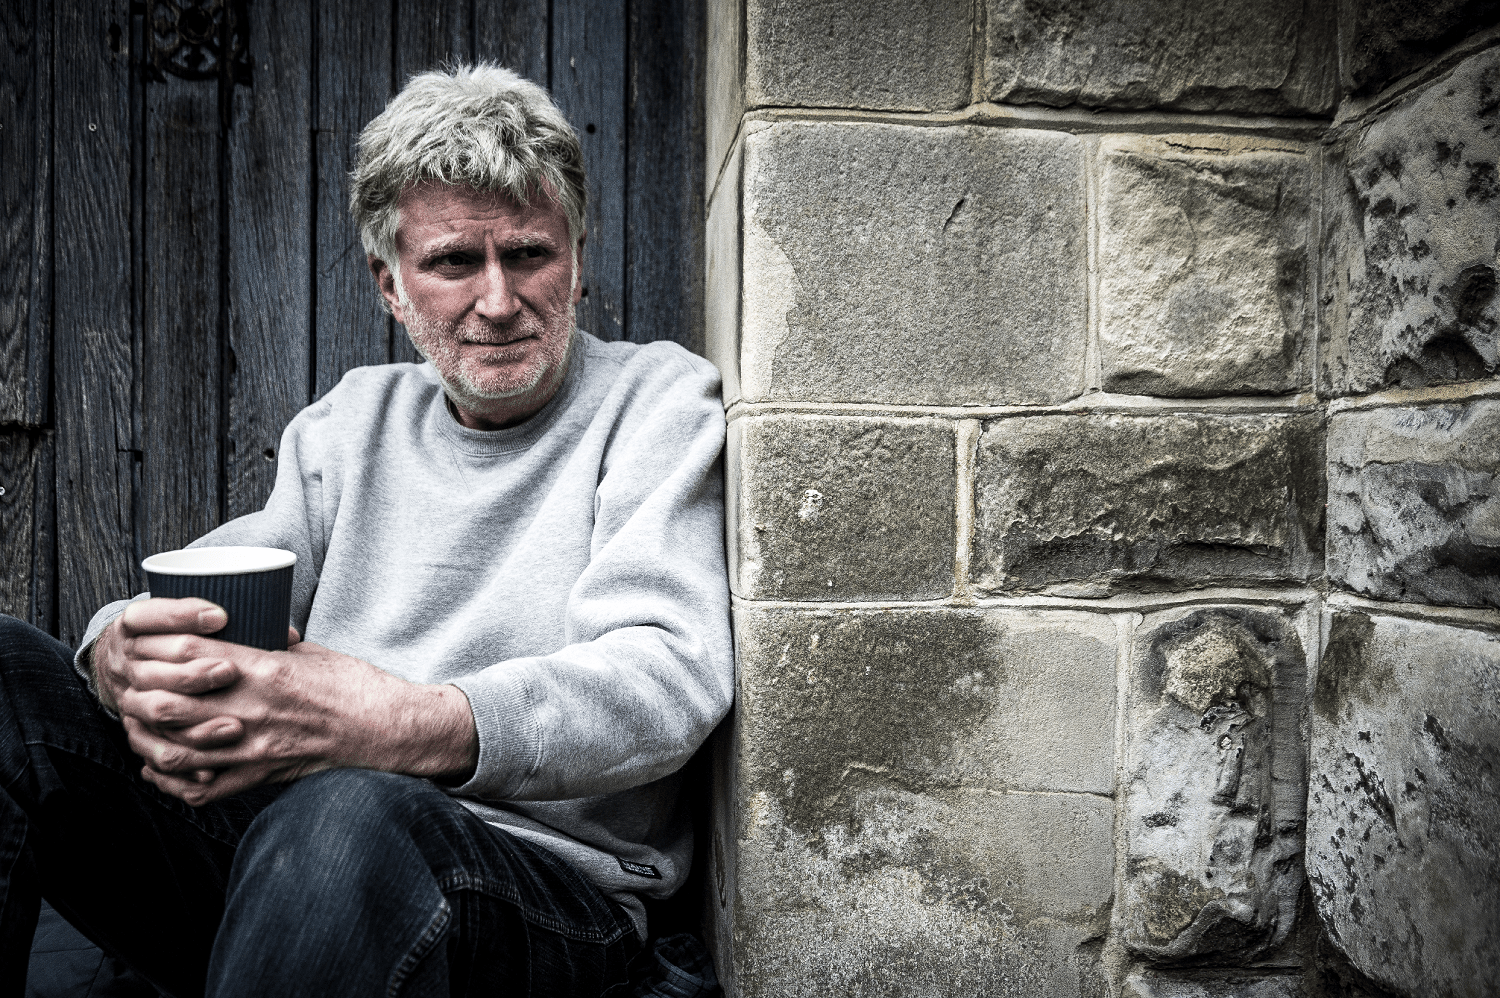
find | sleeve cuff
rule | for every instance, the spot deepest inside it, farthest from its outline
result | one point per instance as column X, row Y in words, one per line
column 509, row 735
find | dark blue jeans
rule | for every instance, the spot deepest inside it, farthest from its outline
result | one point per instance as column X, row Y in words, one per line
column 347, row 882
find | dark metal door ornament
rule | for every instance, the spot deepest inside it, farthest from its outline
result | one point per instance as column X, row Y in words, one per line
column 190, row 38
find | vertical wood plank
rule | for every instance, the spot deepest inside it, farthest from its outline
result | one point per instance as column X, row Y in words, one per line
column 270, row 248
column 25, row 185
column 26, row 520
column 181, row 435
column 354, row 65
column 514, row 34
column 588, row 83
column 664, row 173
column 93, row 398
column 430, row 34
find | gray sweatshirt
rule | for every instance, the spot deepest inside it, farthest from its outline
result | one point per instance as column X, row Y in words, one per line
column 567, row 574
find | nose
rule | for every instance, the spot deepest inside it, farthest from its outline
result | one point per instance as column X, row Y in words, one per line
column 495, row 297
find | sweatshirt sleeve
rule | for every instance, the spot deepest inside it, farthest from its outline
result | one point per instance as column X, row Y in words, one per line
column 648, row 669
column 292, row 520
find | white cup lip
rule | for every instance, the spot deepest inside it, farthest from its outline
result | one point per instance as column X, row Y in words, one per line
column 219, row 561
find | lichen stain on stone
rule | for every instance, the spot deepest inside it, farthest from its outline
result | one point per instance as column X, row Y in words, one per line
column 1346, row 671
column 882, row 698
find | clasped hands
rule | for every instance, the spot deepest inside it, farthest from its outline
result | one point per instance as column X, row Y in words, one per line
column 211, row 719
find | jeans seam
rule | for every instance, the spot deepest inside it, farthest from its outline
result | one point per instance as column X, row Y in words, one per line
column 465, row 881
column 419, row 949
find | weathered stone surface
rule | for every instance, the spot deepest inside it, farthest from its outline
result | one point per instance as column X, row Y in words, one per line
column 891, row 263
column 873, row 54
column 882, row 847
column 1203, row 265
column 845, row 508
column 1268, row 56
column 721, row 279
column 1414, row 503
column 1382, row 40
column 1403, row 823
column 1088, row 504
column 1411, row 232
column 1211, row 986
column 1214, row 785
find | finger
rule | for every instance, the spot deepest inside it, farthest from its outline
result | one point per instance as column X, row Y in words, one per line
column 292, row 636
column 164, row 710
column 173, row 616
column 217, row 732
column 166, row 756
column 191, row 678
column 222, row 785
column 178, row 647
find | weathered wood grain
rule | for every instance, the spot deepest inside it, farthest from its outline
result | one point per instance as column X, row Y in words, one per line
column 514, row 34
column 182, row 324
column 270, row 248
column 25, row 543
column 588, row 83
column 25, row 183
column 354, row 64
column 92, row 302
column 664, row 173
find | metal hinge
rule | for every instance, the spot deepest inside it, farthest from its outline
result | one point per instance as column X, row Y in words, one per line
column 199, row 39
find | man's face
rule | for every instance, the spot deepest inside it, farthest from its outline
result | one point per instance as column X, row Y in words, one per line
column 489, row 286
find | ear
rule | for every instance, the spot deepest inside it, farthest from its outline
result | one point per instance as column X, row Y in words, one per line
column 385, row 279
column 578, row 271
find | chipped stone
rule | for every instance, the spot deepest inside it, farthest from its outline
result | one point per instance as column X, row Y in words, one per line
column 1203, row 265
column 1414, row 503
column 1146, row 502
column 901, row 264
column 844, row 508
column 1411, row 240
column 1382, row 40
column 1403, row 854
column 1211, row 986
column 1264, row 56
column 1214, row 785
column 874, row 54
column 888, row 847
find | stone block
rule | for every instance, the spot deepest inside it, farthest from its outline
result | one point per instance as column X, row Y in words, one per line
column 882, row 847
column 845, row 508
column 1214, row 785
column 1383, row 40
column 921, row 265
column 721, row 280
column 1203, row 265
column 874, row 54
column 1208, row 985
column 1403, row 822
column 1411, row 232
column 1264, row 56
column 1414, row 503
column 723, row 83
column 1089, row 504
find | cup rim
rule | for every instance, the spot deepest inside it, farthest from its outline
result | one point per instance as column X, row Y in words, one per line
column 230, row 560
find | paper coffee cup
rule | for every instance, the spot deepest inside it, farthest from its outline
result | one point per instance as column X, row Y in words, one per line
column 253, row 585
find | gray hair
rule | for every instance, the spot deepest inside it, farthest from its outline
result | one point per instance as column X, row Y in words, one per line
column 481, row 125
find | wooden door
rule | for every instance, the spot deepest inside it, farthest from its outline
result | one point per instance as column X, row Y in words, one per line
column 178, row 272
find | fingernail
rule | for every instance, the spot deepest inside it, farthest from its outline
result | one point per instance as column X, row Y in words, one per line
column 213, row 619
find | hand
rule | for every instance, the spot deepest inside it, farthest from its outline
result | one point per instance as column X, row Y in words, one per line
column 289, row 714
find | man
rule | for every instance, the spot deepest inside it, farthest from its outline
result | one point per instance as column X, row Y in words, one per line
column 511, row 583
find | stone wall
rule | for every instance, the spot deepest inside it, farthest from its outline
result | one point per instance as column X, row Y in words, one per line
column 1114, row 477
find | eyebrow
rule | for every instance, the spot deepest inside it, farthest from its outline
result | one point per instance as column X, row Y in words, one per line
column 444, row 246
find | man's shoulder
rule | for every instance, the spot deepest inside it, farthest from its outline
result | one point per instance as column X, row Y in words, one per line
column 382, row 385
column 660, row 366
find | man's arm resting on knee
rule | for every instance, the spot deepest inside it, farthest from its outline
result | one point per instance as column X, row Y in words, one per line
column 212, row 719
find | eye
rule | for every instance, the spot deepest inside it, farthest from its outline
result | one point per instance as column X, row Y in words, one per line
column 452, row 260
column 528, row 253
